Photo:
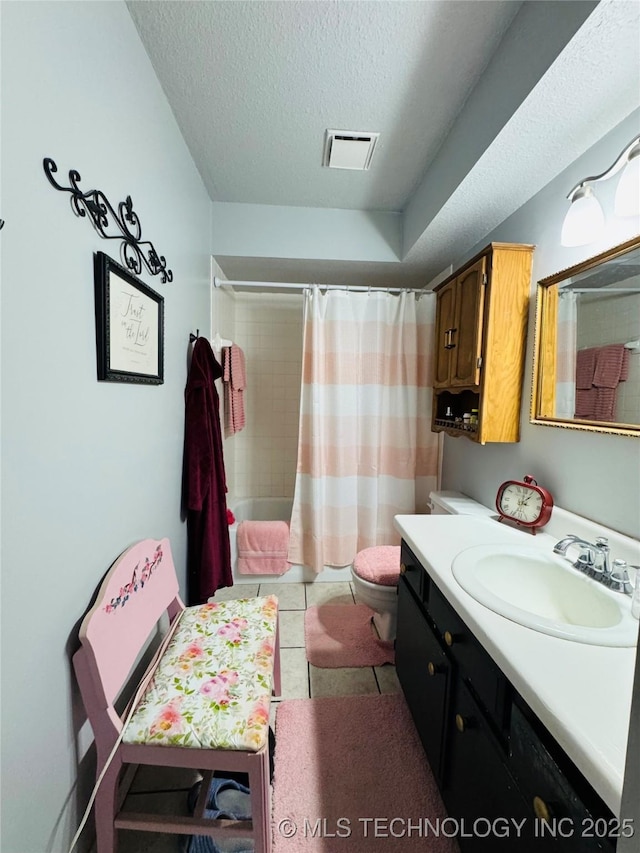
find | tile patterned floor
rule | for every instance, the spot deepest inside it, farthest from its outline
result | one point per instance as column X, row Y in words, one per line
column 165, row 789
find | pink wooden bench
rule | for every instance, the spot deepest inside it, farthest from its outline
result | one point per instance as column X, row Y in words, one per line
column 204, row 703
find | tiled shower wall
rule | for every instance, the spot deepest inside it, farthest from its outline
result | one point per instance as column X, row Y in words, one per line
column 618, row 323
column 261, row 459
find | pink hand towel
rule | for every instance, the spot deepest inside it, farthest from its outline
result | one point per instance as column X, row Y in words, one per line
column 585, row 367
column 235, row 381
column 263, row 547
column 612, row 366
column 586, row 402
column 605, row 404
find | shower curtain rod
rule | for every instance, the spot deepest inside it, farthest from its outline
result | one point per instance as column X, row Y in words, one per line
column 628, row 290
column 217, row 282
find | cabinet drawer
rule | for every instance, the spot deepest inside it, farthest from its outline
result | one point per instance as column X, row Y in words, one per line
column 413, row 572
column 577, row 817
column 476, row 666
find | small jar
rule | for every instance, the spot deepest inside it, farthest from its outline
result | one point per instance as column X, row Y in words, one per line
column 474, row 416
column 466, row 419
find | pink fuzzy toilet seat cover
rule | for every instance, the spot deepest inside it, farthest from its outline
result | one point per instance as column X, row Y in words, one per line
column 380, row 564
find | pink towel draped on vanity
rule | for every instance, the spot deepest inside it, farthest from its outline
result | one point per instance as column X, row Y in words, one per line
column 599, row 370
column 234, row 382
column 262, row 547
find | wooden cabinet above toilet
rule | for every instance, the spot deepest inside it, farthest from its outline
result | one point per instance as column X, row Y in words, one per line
column 481, row 328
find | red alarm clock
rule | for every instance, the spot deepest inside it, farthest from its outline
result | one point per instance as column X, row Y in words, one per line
column 524, row 504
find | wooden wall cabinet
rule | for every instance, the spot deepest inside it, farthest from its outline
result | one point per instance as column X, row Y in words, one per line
column 481, row 328
column 492, row 758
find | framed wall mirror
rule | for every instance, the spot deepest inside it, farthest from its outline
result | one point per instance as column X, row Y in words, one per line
column 586, row 367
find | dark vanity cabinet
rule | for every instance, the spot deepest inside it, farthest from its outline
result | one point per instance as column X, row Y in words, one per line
column 501, row 775
column 424, row 671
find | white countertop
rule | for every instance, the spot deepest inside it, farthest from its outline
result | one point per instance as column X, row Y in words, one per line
column 580, row 692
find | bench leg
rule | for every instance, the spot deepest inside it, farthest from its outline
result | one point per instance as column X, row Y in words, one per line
column 259, row 786
column 105, row 809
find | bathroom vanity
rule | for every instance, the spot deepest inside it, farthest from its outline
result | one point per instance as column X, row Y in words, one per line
column 525, row 732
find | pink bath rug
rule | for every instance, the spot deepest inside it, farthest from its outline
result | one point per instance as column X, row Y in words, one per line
column 342, row 635
column 351, row 776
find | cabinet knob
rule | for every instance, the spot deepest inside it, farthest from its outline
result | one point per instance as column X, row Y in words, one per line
column 461, row 723
column 434, row 668
column 448, row 638
column 541, row 809
column 403, row 568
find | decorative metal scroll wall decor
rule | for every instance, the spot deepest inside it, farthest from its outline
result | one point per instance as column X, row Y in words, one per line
column 135, row 252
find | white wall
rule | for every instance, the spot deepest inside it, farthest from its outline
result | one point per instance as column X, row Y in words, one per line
column 88, row 467
column 597, row 476
column 265, row 452
column 278, row 231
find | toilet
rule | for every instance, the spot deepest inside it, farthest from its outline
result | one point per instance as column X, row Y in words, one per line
column 375, row 571
column 455, row 503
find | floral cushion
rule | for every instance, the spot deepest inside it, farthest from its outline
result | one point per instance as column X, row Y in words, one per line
column 212, row 687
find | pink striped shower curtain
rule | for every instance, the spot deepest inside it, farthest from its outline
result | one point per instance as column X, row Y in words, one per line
column 365, row 451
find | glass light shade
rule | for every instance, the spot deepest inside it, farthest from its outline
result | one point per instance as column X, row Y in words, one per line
column 584, row 220
column 627, row 202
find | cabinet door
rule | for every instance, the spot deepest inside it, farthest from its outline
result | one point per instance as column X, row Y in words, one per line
column 580, row 825
column 424, row 674
column 445, row 322
column 467, row 326
column 479, row 790
column 472, row 661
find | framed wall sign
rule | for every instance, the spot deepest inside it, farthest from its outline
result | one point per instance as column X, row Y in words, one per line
column 129, row 326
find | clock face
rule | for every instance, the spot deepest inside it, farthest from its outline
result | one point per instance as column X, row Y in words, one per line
column 521, row 503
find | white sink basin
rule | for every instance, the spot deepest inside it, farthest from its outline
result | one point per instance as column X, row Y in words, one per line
column 544, row 592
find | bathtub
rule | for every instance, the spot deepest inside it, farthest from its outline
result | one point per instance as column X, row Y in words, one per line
column 275, row 509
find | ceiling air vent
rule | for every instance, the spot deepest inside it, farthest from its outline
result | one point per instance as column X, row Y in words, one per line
column 349, row 149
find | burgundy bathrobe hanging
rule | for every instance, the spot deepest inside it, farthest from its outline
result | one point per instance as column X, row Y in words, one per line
column 209, row 560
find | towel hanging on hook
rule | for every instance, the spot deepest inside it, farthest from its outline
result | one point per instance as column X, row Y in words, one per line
column 218, row 342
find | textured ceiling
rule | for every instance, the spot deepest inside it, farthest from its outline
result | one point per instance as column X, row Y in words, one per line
column 254, row 84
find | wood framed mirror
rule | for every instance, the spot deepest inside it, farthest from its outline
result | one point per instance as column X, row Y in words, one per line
column 586, row 364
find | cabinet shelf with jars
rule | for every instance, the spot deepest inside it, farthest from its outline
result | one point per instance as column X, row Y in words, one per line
column 480, row 334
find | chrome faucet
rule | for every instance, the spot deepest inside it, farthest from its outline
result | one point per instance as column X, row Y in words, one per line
column 594, row 560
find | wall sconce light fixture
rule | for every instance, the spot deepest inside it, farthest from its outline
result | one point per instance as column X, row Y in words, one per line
column 585, row 219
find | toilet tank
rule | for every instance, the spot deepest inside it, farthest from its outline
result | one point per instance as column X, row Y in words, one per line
column 455, row 503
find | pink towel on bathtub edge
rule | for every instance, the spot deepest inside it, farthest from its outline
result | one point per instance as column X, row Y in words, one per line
column 263, row 547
